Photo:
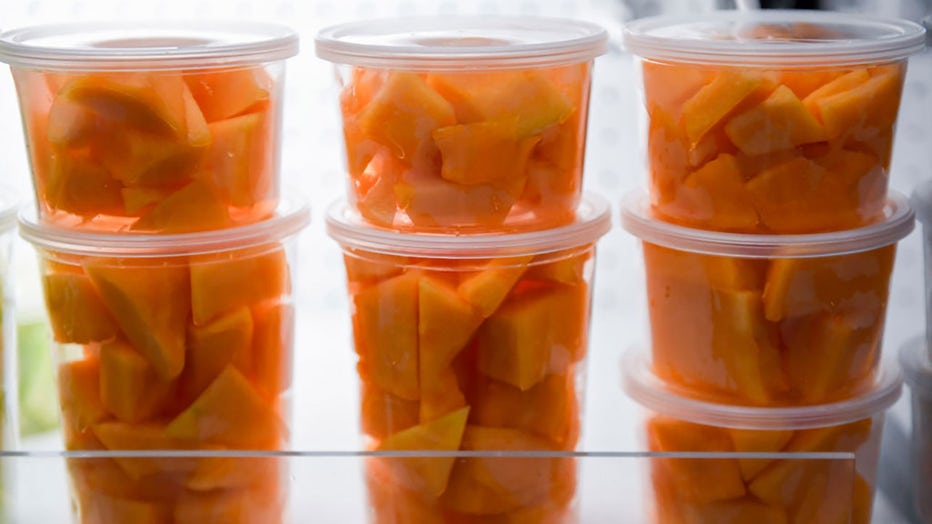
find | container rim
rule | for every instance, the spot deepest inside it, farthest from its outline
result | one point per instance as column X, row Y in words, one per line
column 290, row 218
column 147, row 45
column 636, row 218
column 698, row 39
column 648, row 390
column 593, row 219
column 917, row 366
column 462, row 42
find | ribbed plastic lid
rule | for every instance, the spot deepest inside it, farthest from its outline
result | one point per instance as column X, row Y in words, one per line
column 637, row 219
column 767, row 38
column 462, row 42
column 593, row 219
column 917, row 366
column 648, row 390
column 291, row 217
column 146, row 45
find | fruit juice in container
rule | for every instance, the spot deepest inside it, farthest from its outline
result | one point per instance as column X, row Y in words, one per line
column 173, row 342
column 917, row 372
column 760, row 490
column 770, row 121
column 766, row 319
column 470, row 343
column 152, row 127
column 464, row 123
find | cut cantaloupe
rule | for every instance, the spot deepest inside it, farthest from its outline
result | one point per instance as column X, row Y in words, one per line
column 231, row 507
column 715, row 100
column 198, row 206
column 873, row 103
column 843, row 83
column 130, row 388
column 227, row 93
column 79, row 396
column 140, row 159
column 222, row 282
column 741, row 511
column 487, row 289
column 667, row 87
column 382, row 414
column 386, row 332
column 122, row 436
column 97, row 509
column 375, row 187
column 272, row 347
column 393, row 503
column 76, row 313
column 366, row 267
column 228, row 339
column 230, row 412
column 78, row 185
column 428, row 475
column 240, row 158
column 483, row 152
column 515, row 343
column 137, row 200
column 751, row 440
column 716, row 195
column 151, row 305
column 780, row 122
column 567, row 267
column 217, row 473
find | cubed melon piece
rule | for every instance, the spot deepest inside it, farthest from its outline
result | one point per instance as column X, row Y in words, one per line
column 516, row 342
column 483, row 152
column 385, row 322
column 374, row 187
column 222, row 282
column 696, row 480
column 754, row 441
column 714, row 195
column 382, row 414
column 428, row 475
column 780, row 122
column 230, row 412
column 549, row 410
column 568, row 267
column 77, row 184
column 226, row 93
column 805, row 82
column 393, row 503
column 76, row 313
column 359, row 89
column 843, row 83
column 138, row 200
column 404, row 113
column 856, row 282
column 667, row 156
column 234, row 473
column 827, row 496
column 102, row 508
column 210, row 347
column 667, row 87
column 137, row 158
column 130, row 388
column 231, row 507
column 487, row 289
column 79, row 396
column 122, row 436
column 363, row 268
column 715, row 100
column 198, row 206
column 873, row 104
column 741, row 511
column 151, row 305
column 241, row 158
column 272, row 347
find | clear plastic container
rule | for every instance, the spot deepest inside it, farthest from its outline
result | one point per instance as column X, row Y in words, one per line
column 760, row 490
column 921, row 201
column 767, row 319
column 770, row 121
column 459, row 123
column 165, row 342
column 152, row 127
column 473, row 343
column 9, row 383
column 917, row 372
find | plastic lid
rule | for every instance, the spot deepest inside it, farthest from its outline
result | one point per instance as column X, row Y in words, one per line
column 637, row 219
column 291, row 217
column 647, row 389
column 773, row 37
column 593, row 219
column 457, row 42
column 921, row 200
column 9, row 204
column 147, row 45
column 917, row 366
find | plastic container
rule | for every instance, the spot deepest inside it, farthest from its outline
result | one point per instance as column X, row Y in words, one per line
column 770, row 121
column 166, row 342
column 917, row 371
column 766, row 319
column 152, row 127
column 761, row 490
column 921, row 201
column 474, row 343
column 9, row 393
column 470, row 124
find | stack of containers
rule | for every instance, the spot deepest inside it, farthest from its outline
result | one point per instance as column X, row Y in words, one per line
column 768, row 237
column 469, row 253
column 165, row 254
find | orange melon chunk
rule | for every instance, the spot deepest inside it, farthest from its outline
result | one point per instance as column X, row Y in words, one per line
column 129, row 386
column 227, row 93
column 487, row 289
column 151, row 305
column 76, row 313
column 714, row 101
column 240, row 157
column 428, row 475
column 742, row 511
column 101, row 508
column 382, row 414
column 375, row 187
column 137, row 158
column 404, row 113
column 549, row 409
column 137, row 200
column 483, row 152
column 750, row 440
column 841, row 84
column 78, row 185
column 230, row 413
column 568, row 267
column 515, row 343
column 214, row 473
column 393, row 503
column 121, row 436
column 667, row 87
column 231, row 507
column 225, row 281
column 430, row 200
column 386, row 331
column 715, row 194
column 79, row 397
column 872, row 103
column 228, row 339
column 272, row 347
column 197, row 206
column 780, row 122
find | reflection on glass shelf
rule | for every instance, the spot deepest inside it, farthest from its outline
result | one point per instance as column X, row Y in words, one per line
column 177, row 487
